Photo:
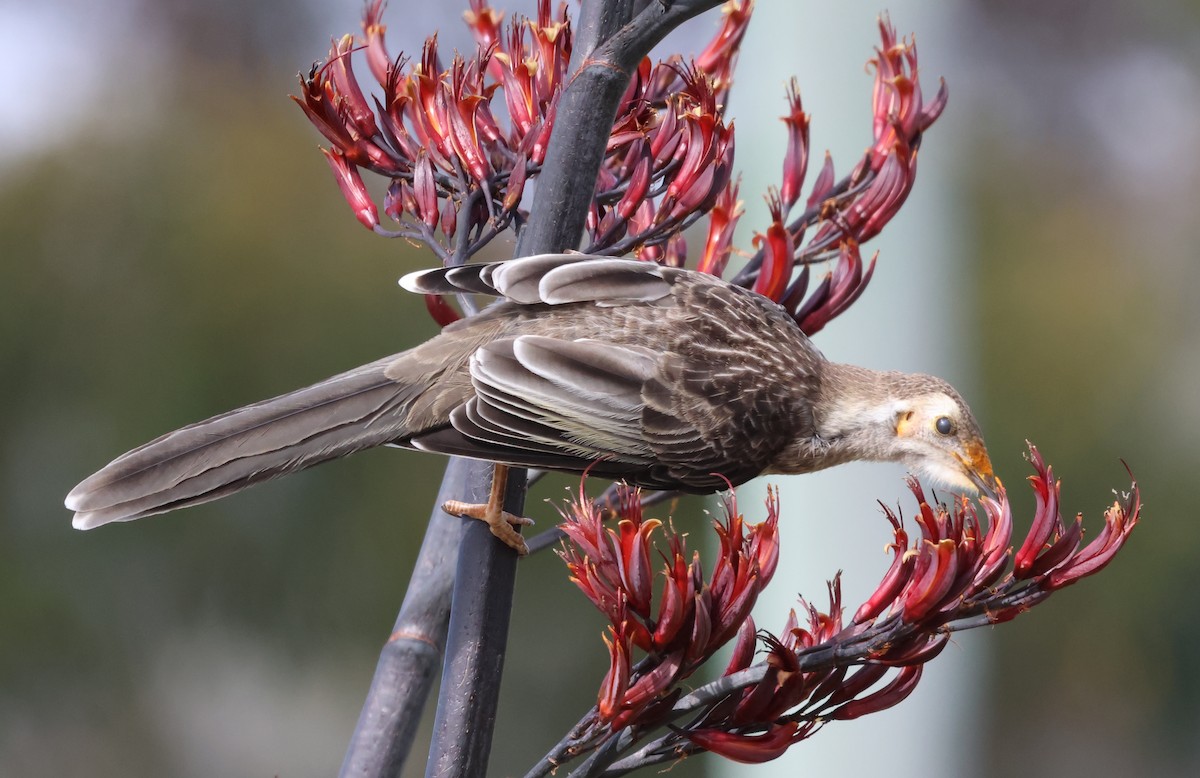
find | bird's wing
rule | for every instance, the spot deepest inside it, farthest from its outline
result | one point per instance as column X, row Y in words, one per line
column 546, row 402
column 619, row 410
column 551, row 279
column 677, row 401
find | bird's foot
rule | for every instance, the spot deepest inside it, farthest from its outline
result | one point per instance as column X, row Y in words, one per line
column 492, row 513
column 499, row 521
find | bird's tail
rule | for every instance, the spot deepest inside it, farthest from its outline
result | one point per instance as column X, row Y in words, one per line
column 346, row 413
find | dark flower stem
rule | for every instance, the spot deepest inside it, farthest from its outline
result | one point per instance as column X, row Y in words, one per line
column 478, row 631
column 411, row 657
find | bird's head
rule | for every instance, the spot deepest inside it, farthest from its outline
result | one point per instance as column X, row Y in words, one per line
column 919, row 421
column 934, row 434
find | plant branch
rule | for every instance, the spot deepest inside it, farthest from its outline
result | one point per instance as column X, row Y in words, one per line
column 410, row 658
column 482, row 602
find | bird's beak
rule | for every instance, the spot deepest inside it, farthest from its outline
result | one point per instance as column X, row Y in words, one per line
column 978, row 467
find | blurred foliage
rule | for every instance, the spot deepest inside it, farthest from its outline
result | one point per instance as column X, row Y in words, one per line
column 1083, row 192
column 1076, row 326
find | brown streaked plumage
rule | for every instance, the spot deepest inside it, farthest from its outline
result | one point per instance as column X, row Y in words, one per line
column 664, row 377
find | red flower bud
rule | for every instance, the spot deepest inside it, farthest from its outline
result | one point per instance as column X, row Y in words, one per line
column 440, row 310
column 778, row 254
column 894, row 693
column 750, row 749
column 795, row 160
column 616, row 681
column 353, row 189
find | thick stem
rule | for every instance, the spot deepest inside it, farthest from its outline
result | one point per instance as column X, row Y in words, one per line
column 483, row 588
column 411, row 657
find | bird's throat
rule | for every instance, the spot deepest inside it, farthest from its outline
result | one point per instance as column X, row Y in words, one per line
column 853, row 420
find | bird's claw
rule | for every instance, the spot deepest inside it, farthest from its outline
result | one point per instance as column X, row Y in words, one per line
column 500, row 522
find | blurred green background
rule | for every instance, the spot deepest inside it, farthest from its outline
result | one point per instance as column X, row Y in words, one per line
column 173, row 246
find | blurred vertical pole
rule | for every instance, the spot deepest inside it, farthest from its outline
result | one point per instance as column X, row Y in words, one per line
column 908, row 319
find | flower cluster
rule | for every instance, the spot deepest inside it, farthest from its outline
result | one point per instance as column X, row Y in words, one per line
column 461, row 145
column 458, row 166
column 959, row 572
column 452, row 165
column 851, row 211
column 693, row 617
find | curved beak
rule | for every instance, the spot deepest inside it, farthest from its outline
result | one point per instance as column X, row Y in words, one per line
column 978, row 468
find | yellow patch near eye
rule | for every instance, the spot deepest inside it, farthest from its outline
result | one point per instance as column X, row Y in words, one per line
column 904, row 423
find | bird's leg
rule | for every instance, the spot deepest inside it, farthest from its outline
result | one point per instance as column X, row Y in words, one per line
column 493, row 514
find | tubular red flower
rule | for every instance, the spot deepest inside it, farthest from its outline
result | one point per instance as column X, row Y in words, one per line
column 634, row 562
column 658, row 680
column 518, row 94
column 837, row 292
column 720, row 55
column 516, row 183
column 722, row 220
column 996, row 550
column 926, row 590
column 795, row 160
column 1046, row 516
column 440, row 310
column 882, row 199
column 616, row 680
column 425, row 192
column 1066, row 543
column 353, row 189
column 743, row 648
column 918, row 649
column 675, row 252
column 1119, row 521
column 764, row 540
column 863, row 678
column 484, row 22
column 822, row 185
column 698, row 646
column 464, row 135
column 778, row 254
column 541, row 138
column 896, row 577
column 894, row 693
column 635, row 192
column 898, row 107
column 750, row 748
column 448, row 218
column 350, row 101
column 374, row 31
column 674, row 609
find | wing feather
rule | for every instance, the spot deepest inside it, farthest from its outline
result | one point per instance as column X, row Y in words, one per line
column 551, row 279
column 604, row 281
column 540, row 399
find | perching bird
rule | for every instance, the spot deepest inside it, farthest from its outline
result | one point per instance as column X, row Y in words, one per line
column 667, row 378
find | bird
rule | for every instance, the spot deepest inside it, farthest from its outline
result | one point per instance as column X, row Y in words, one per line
column 664, row 377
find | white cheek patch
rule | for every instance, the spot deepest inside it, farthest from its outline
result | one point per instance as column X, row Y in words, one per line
column 911, row 417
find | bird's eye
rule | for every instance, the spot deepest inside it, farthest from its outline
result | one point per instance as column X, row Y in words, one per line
column 944, row 425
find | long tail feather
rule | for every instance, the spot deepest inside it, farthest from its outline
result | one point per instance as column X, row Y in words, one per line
column 358, row 409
